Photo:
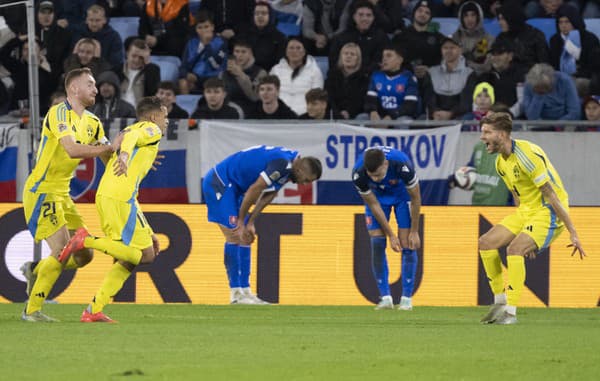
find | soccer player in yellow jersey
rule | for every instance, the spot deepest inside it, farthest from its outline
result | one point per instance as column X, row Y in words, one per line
column 542, row 214
column 129, row 238
column 69, row 134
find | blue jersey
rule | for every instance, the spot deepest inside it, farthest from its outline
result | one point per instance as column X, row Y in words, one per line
column 273, row 164
column 399, row 177
column 391, row 92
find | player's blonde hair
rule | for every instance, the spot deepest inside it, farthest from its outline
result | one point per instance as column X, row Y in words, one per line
column 76, row 73
column 499, row 120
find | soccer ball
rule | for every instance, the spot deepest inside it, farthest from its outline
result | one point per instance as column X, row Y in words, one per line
column 465, row 177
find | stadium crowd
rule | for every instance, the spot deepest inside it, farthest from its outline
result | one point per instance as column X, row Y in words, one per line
column 313, row 59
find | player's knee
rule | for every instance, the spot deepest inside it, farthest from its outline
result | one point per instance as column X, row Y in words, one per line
column 83, row 257
column 485, row 243
column 513, row 249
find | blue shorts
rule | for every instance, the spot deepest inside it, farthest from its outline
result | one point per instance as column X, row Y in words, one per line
column 401, row 210
column 223, row 201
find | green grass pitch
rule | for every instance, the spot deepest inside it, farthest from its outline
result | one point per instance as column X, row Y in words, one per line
column 195, row 342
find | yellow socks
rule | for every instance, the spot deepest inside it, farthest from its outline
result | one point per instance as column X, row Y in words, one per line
column 113, row 282
column 516, row 278
column 493, row 269
column 48, row 271
column 116, row 249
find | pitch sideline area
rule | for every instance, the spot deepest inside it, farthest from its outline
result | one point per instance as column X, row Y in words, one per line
column 199, row 342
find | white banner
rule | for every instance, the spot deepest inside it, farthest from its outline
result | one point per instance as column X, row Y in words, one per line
column 432, row 151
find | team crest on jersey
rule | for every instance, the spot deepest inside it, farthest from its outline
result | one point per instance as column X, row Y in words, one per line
column 53, row 219
column 516, row 171
column 399, row 88
column 232, row 220
column 275, row 175
column 150, row 131
column 90, row 132
column 62, row 127
column 378, row 86
column 393, row 181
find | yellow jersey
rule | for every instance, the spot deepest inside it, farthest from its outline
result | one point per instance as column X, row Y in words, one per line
column 141, row 143
column 525, row 170
column 53, row 167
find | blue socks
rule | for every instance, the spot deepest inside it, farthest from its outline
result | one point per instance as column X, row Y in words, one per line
column 379, row 264
column 232, row 264
column 409, row 270
column 244, row 254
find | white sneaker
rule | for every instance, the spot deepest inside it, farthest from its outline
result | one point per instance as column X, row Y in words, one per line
column 405, row 304
column 506, row 318
column 235, row 296
column 245, row 299
column 386, row 303
column 496, row 310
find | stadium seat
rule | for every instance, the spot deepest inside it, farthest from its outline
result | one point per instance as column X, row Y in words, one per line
column 289, row 29
column 169, row 71
column 547, row 26
column 188, row 102
column 323, row 63
column 195, row 6
column 593, row 25
column 448, row 25
column 492, row 26
column 160, row 59
column 125, row 26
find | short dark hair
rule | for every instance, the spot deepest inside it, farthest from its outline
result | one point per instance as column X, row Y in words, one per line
column 214, row 83
column 315, row 166
column 499, row 120
column 373, row 159
column 270, row 79
column 399, row 49
column 204, row 15
column 147, row 105
column 138, row 43
column 168, row 85
column 76, row 73
column 316, row 94
column 242, row 42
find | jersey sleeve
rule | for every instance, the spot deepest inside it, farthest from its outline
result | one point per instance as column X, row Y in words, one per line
column 57, row 122
column 412, row 89
column 277, row 173
column 360, row 181
column 130, row 140
column 149, row 134
column 99, row 136
column 407, row 173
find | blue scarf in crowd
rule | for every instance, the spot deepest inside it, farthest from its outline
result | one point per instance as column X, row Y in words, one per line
column 568, row 63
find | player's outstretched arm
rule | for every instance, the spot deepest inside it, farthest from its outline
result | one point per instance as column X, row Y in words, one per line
column 83, row 151
column 414, row 241
column 551, row 197
column 371, row 200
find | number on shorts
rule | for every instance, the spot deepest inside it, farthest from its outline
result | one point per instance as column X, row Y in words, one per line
column 48, row 208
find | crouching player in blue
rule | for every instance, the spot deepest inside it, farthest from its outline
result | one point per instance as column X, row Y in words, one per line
column 249, row 177
column 386, row 180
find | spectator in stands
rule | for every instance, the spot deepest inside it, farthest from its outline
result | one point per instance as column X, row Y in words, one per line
column 167, row 92
column 14, row 55
column 545, row 8
column 96, row 27
column 214, row 104
column 393, row 91
column 550, row 95
column 242, row 76
column 529, row 43
column 268, row 43
column 57, row 97
column 574, row 50
column 425, row 45
column 164, row 25
column 86, row 53
column 475, row 41
column 483, row 100
column 72, row 13
column 204, row 56
column 591, row 105
column 270, row 106
column 317, row 107
column 449, row 86
column 53, row 38
column 506, row 77
column 139, row 77
column 364, row 32
column 228, row 15
column 347, row 83
column 109, row 104
column 297, row 73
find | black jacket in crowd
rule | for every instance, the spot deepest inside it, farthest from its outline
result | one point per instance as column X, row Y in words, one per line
column 57, row 42
column 371, row 44
column 347, row 93
column 283, row 112
column 505, row 83
column 268, row 44
column 171, row 36
column 178, row 113
column 227, row 14
column 228, row 111
column 422, row 48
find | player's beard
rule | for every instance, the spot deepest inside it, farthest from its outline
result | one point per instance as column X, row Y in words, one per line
column 89, row 101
